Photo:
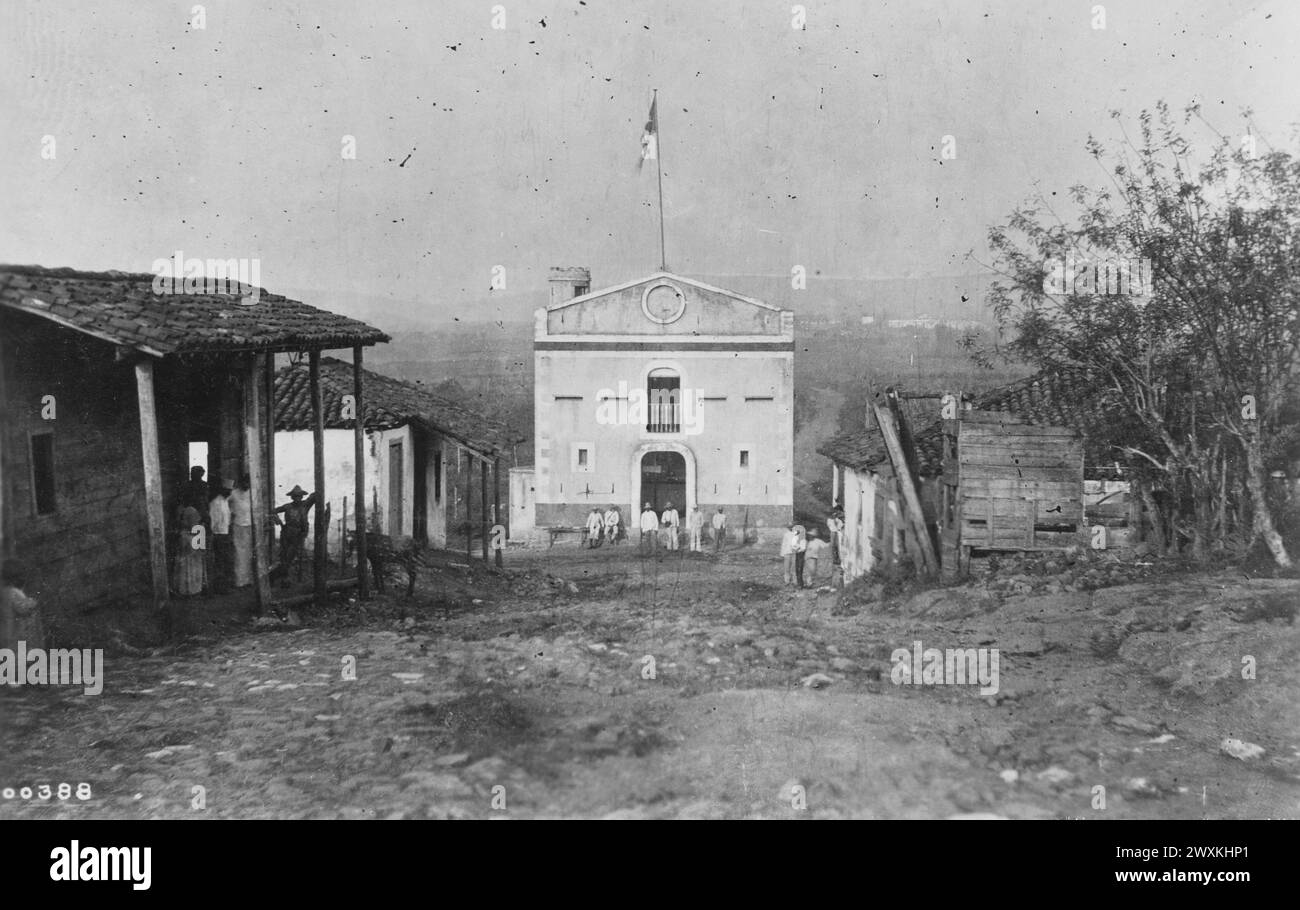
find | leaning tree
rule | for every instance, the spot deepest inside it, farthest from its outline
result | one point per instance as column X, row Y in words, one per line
column 1170, row 294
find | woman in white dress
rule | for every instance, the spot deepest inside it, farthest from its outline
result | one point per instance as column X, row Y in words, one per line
column 241, row 532
column 190, row 570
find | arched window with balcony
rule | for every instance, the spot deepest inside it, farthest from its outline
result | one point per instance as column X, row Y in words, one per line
column 663, row 401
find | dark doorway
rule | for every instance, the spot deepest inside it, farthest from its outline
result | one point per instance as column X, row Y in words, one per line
column 396, row 487
column 420, row 509
column 663, row 480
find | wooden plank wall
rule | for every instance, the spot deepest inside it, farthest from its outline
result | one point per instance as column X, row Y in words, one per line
column 92, row 550
column 1021, row 485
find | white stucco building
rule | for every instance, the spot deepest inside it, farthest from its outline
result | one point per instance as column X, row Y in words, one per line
column 431, row 466
column 663, row 389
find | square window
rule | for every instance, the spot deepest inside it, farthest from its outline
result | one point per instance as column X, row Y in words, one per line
column 582, row 458
column 744, row 458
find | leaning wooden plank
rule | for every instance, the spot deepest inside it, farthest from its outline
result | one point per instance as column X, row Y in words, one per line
column 911, row 501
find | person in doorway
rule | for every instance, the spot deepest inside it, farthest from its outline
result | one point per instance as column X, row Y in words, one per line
column 787, row 554
column 814, row 557
column 294, row 530
column 719, row 529
column 669, row 527
column 835, row 526
column 649, row 527
column 223, row 549
column 612, row 520
column 595, row 529
column 188, row 574
column 195, row 494
column 695, row 524
column 241, row 531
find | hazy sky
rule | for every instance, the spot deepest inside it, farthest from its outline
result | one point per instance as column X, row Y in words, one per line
column 818, row 147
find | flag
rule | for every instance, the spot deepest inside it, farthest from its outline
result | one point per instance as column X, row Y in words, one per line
column 650, row 138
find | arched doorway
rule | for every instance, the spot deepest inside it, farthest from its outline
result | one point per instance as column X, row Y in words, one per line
column 663, row 480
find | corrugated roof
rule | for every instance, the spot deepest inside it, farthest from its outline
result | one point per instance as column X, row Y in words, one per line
column 1040, row 400
column 385, row 403
column 123, row 308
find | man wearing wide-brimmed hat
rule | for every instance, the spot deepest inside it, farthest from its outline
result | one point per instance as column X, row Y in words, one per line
column 294, row 530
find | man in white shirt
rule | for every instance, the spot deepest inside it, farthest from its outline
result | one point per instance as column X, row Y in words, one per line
column 719, row 529
column 695, row 524
column 788, row 541
column 241, row 530
column 669, row 526
column 223, row 548
column 612, row 519
column 595, row 529
column 649, row 527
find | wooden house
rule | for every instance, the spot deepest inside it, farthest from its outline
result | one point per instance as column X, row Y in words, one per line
column 423, row 463
column 1007, row 474
column 107, row 389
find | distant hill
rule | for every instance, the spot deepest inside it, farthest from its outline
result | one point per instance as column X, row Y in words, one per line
column 953, row 297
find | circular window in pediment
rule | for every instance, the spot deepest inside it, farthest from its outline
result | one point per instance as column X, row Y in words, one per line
column 663, row 302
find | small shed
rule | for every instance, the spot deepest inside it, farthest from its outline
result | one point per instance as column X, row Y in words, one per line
column 1006, row 473
column 1018, row 485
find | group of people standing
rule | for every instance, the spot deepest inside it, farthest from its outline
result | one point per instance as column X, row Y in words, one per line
column 664, row 530
column 215, row 534
column 803, row 552
column 656, row 530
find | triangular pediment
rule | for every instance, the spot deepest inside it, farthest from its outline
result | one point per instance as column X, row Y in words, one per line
column 664, row 304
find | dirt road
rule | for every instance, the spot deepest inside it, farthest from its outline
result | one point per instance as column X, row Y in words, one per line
column 687, row 687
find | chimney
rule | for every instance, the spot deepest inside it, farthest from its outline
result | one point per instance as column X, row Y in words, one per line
column 568, row 281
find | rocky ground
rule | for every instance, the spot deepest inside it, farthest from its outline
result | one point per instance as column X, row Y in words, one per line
column 600, row 684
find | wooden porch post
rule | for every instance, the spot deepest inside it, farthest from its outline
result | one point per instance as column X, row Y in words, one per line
column 359, row 465
column 153, row 502
column 257, row 482
column 469, row 504
column 318, row 525
column 269, row 430
column 496, row 498
column 483, row 519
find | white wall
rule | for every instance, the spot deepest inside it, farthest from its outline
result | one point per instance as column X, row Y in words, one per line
column 765, row 428
column 858, row 498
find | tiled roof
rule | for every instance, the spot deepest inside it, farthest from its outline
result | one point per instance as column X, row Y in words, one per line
column 123, row 308
column 385, row 403
column 1040, row 400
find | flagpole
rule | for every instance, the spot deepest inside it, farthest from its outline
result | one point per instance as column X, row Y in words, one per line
column 659, row 166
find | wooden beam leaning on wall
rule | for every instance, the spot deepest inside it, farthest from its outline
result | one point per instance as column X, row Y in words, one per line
column 153, row 497
column 914, row 515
